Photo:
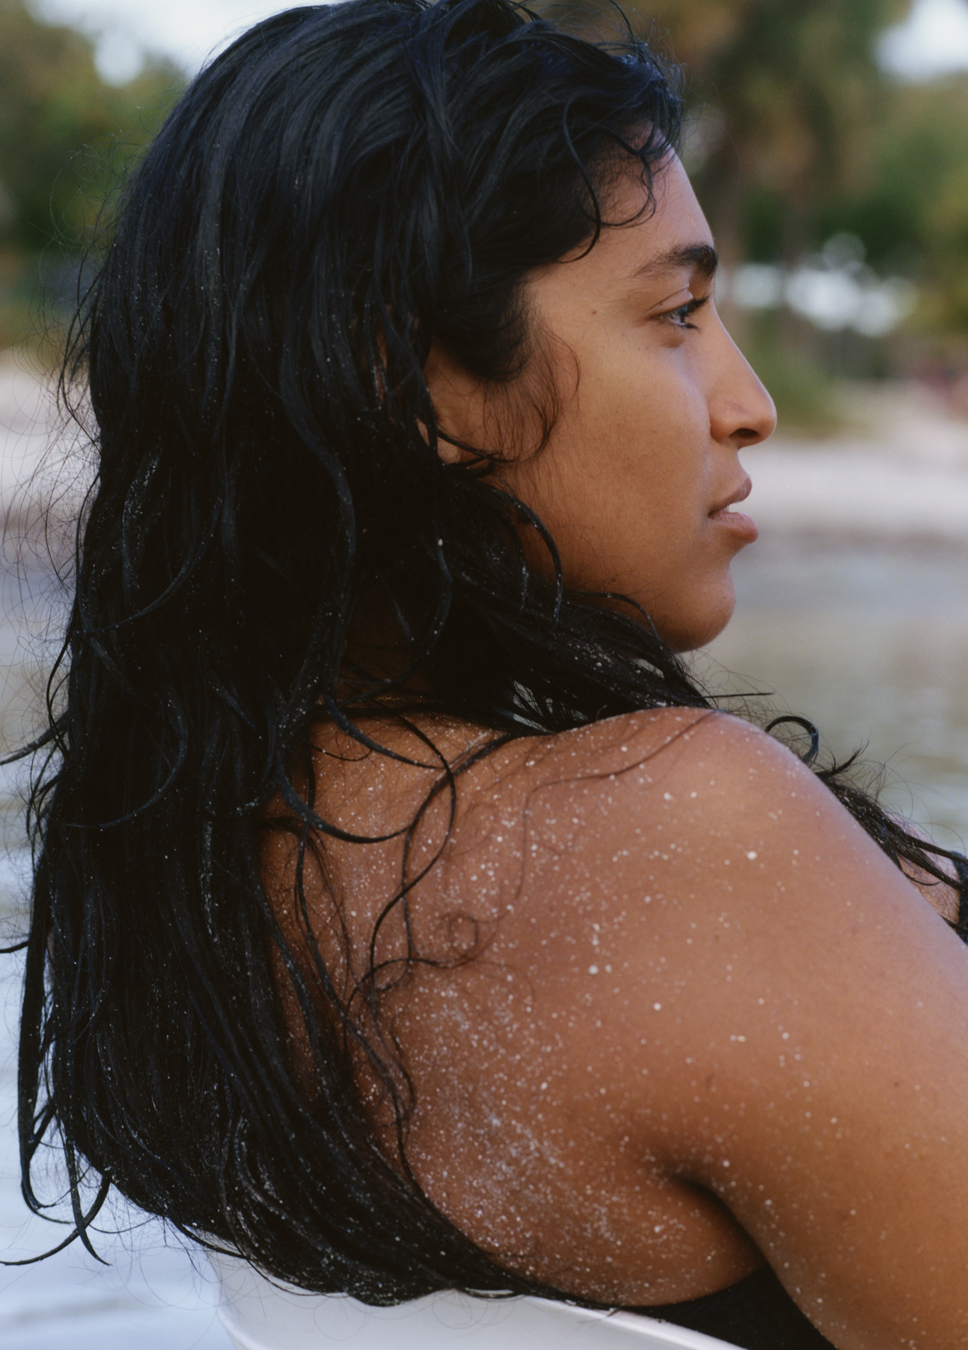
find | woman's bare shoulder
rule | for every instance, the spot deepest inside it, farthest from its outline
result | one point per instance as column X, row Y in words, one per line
column 655, row 737
column 685, row 766
column 767, row 999
column 710, row 779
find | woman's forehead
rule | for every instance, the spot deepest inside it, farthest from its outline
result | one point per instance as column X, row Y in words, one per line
column 652, row 233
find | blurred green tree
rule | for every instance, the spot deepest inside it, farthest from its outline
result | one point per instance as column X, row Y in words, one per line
column 54, row 106
column 911, row 209
column 65, row 137
column 797, row 134
column 788, row 95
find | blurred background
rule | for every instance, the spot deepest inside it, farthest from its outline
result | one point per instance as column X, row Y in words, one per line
column 828, row 141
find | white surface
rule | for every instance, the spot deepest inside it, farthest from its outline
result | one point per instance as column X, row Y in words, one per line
column 262, row 1316
column 934, row 39
column 902, row 473
column 41, row 465
column 151, row 1296
column 25, row 412
column 857, row 493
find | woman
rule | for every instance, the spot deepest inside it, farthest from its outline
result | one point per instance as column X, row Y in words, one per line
column 406, row 918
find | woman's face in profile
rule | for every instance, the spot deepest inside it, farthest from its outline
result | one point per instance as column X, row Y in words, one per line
column 655, row 400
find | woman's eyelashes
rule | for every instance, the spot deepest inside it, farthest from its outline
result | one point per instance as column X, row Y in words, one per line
column 680, row 316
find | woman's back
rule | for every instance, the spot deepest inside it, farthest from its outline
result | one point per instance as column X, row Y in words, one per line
column 637, row 1010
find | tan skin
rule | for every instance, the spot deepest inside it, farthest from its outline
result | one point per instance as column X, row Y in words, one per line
column 705, row 1022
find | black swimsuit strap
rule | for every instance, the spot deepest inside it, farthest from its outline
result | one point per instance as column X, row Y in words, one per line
column 961, row 924
column 755, row 1314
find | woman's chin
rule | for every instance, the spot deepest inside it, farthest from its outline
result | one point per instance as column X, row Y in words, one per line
column 687, row 632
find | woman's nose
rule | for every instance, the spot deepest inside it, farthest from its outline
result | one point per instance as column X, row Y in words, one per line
column 740, row 407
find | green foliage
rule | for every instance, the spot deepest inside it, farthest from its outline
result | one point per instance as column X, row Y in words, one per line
column 788, row 94
column 799, row 135
column 59, row 124
column 912, row 211
column 65, row 139
column 796, row 81
column 816, row 139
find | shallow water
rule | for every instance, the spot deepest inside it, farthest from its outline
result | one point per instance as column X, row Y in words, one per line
column 872, row 646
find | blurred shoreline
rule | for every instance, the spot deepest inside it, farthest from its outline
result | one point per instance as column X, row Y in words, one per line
column 899, row 474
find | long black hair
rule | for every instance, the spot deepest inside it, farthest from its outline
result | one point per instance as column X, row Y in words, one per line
column 342, row 188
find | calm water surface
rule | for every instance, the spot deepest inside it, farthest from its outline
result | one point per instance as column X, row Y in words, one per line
column 872, row 646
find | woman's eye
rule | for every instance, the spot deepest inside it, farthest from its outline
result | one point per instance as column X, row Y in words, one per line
column 679, row 317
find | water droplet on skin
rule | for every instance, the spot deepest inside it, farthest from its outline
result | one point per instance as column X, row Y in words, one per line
column 593, row 970
column 657, row 1007
column 751, row 855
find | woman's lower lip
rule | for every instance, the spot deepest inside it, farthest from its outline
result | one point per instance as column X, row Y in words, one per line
column 739, row 523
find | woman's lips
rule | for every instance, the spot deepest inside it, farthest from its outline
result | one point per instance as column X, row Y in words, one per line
column 738, row 522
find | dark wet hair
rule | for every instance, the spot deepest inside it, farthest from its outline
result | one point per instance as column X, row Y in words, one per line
column 343, row 187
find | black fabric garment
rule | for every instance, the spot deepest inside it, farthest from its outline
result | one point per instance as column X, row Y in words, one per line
column 755, row 1314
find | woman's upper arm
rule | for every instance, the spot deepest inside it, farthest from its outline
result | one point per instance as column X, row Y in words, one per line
column 784, row 1021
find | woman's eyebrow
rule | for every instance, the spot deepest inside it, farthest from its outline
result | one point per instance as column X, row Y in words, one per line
column 701, row 258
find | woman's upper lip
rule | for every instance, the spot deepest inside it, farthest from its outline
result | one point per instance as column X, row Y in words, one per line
column 739, row 495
